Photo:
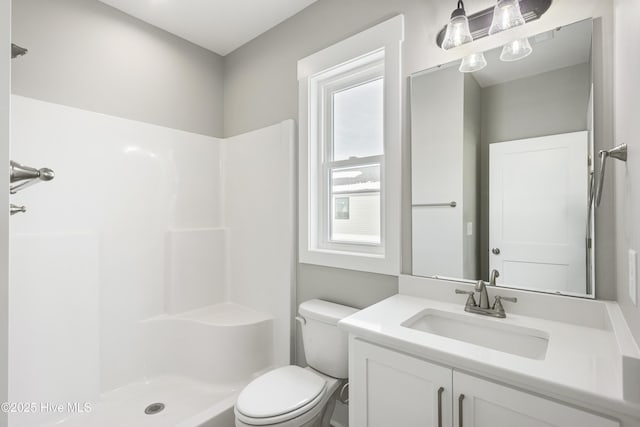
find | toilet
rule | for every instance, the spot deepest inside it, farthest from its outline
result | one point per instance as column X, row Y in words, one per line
column 292, row 396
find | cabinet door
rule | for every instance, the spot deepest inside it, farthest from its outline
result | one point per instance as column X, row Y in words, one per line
column 486, row 404
column 392, row 389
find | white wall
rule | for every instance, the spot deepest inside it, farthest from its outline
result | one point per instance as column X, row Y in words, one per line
column 437, row 135
column 627, row 128
column 445, row 137
column 258, row 200
column 88, row 55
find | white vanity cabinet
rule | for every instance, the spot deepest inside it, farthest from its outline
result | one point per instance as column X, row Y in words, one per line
column 389, row 389
column 481, row 403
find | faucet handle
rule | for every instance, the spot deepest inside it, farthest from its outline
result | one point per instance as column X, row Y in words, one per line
column 471, row 301
column 497, row 304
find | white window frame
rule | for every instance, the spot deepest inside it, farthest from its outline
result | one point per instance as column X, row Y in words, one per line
column 369, row 55
column 356, row 75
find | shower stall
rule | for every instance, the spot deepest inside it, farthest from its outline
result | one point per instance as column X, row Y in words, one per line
column 153, row 277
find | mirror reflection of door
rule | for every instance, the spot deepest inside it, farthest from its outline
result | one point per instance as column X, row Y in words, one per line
column 538, row 217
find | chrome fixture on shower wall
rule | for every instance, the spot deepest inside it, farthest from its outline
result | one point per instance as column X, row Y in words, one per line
column 26, row 176
column 17, row 51
column 23, row 177
column 14, row 209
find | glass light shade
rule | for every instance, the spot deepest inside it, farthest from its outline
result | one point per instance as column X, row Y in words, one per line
column 516, row 50
column 458, row 32
column 472, row 63
column 506, row 15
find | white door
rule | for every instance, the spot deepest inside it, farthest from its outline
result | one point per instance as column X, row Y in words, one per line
column 538, row 212
column 480, row 403
column 388, row 389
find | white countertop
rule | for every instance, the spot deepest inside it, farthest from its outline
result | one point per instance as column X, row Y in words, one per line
column 583, row 365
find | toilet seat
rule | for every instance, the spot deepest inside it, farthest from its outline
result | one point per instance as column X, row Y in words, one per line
column 280, row 395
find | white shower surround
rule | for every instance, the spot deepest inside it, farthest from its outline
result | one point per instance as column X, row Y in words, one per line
column 156, row 259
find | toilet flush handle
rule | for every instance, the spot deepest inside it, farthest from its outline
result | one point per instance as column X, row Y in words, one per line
column 302, row 320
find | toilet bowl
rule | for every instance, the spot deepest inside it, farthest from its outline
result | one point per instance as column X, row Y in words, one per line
column 292, row 396
column 305, row 397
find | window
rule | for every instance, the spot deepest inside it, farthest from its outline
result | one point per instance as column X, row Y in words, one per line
column 350, row 152
column 353, row 146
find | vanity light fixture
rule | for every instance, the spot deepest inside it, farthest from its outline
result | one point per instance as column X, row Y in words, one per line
column 506, row 15
column 458, row 32
column 472, row 63
column 516, row 50
column 480, row 22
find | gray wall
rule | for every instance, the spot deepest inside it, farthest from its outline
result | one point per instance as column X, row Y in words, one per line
column 545, row 104
column 261, row 88
column 627, row 127
column 85, row 54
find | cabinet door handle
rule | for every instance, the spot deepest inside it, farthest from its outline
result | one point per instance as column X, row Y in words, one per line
column 460, row 399
column 440, row 391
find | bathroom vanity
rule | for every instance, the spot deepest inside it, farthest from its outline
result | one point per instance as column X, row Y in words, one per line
column 418, row 359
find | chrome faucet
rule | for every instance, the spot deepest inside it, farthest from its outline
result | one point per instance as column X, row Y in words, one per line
column 481, row 288
column 493, row 276
column 496, row 310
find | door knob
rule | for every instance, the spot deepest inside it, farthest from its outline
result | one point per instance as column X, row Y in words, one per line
column 495, row 251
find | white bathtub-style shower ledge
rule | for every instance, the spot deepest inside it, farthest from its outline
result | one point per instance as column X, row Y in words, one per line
column 196, row 364
column 144, row 273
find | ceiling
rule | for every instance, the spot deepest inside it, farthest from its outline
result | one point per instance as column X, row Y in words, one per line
column 218, row 25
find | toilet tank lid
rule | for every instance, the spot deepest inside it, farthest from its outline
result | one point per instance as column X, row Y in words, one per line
column 325, row 311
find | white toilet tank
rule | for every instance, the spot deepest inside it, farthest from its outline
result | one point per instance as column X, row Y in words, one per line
column 325, row 345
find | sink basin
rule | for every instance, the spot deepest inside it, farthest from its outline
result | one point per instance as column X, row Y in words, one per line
column 516, row 340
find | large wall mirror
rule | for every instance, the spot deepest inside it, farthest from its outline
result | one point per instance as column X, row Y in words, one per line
column 502, row 167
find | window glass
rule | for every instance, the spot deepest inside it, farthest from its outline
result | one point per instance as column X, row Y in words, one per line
column 355, row 198
column 358, row 114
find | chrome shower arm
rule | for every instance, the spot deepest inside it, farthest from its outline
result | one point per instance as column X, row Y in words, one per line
column 603, row 166
column 619, row 153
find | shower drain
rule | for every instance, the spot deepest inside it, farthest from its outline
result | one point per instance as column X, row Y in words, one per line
column 154, row 408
